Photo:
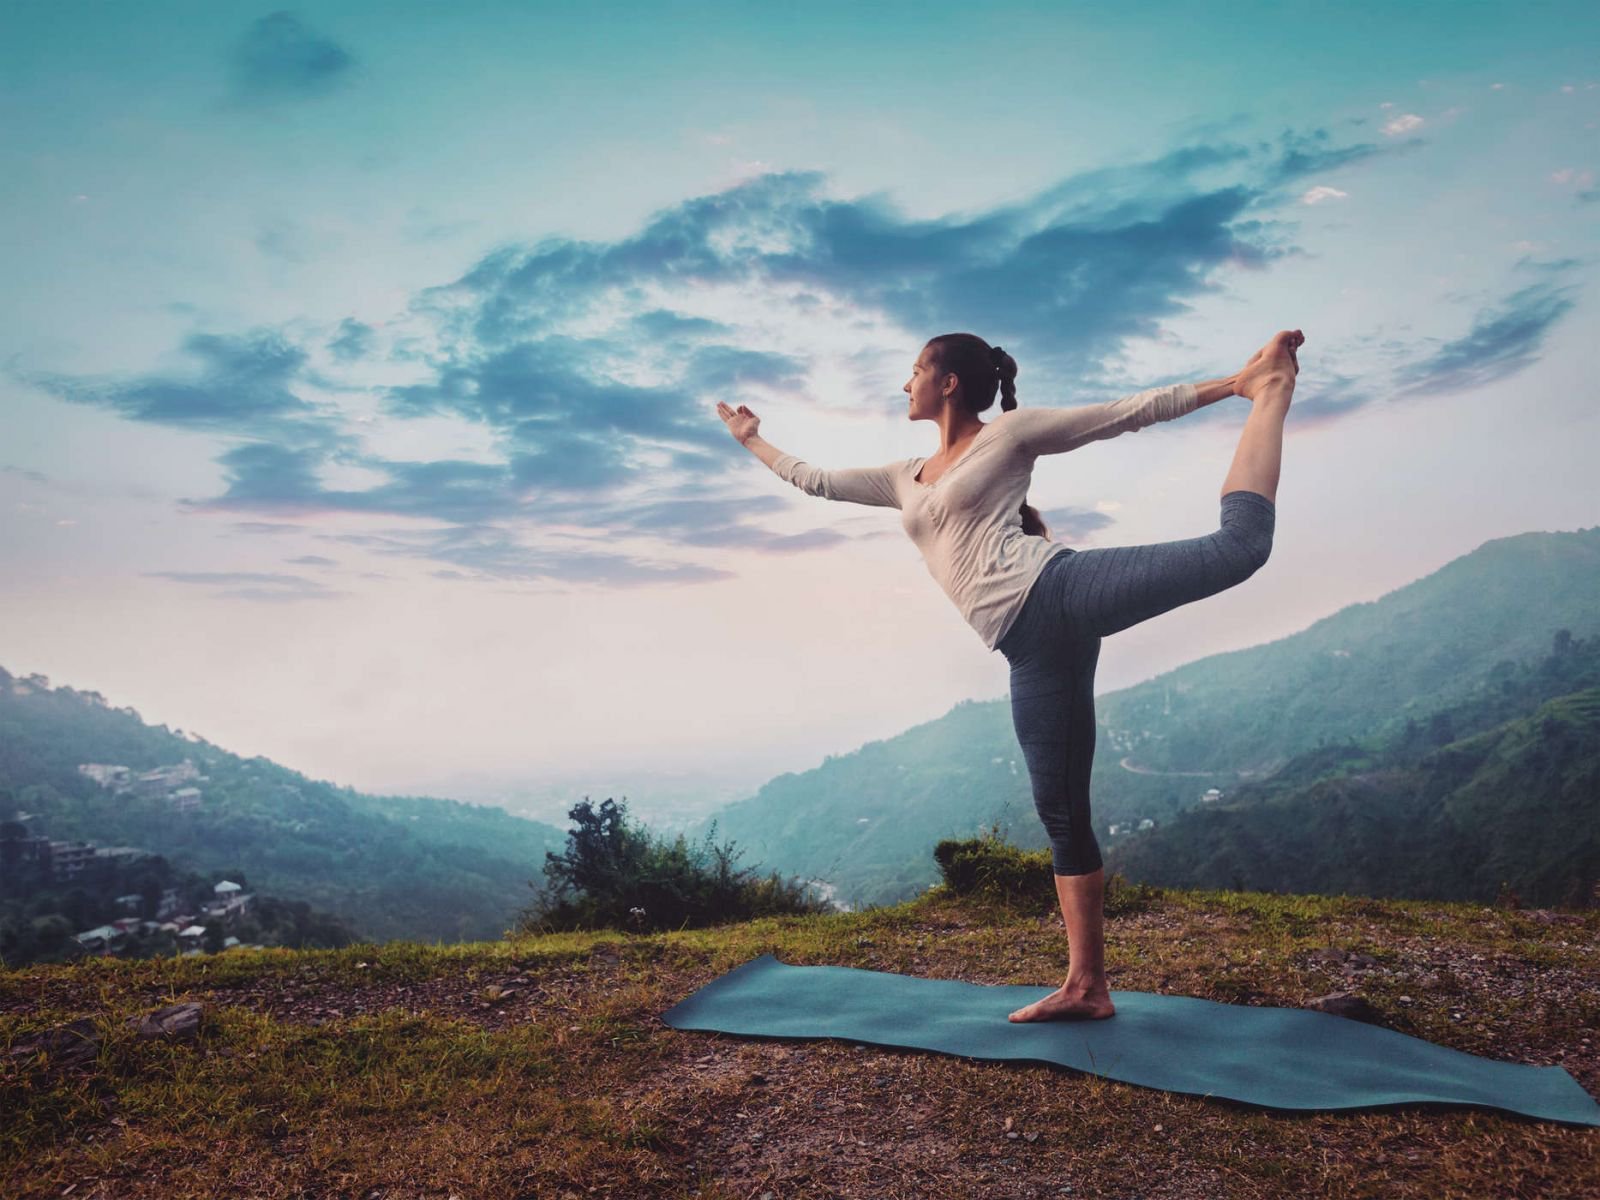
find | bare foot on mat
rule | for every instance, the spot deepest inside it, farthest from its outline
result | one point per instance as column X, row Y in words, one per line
column 1068, row 1005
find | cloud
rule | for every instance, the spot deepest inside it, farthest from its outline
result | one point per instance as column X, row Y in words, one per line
column 489, row 553
column 1300, row 154
column 1502, row 341
column 296, row 241
column 1071, row 524
column 355, row 341
column 279, row 58
column 593, row 367
column 266, row 527
column 251, row 585
column 312, row 560
column 1404, row 123
column 244, row 386
column 1320, row 193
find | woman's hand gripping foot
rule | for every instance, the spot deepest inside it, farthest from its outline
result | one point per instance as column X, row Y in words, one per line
column 1274, row 366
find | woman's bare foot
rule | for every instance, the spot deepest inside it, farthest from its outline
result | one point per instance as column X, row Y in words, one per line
column 1069, row 1004
column 1272, row 368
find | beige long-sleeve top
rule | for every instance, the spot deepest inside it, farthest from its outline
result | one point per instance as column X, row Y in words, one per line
column 967, row 523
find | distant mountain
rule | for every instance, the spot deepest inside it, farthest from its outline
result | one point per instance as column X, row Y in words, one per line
column 1369, row 667
column 1516, row 806
column 391, row 866
column 867, row 821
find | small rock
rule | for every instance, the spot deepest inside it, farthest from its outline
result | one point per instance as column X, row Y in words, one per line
column 1348, row 1004
column 72, row 1044
column 175, row 1022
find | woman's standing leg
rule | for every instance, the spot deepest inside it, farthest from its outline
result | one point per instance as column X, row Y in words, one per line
column 1052, row 709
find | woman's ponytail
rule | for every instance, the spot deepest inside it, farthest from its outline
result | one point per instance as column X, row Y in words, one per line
column 1006, row 369
column 981, row 367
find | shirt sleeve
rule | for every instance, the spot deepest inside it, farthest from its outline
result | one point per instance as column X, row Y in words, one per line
column 1057, row 430
column 859, row 485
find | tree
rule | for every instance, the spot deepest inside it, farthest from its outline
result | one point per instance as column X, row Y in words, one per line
column 615, row 875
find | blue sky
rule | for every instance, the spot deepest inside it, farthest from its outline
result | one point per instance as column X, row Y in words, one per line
column 361, row 361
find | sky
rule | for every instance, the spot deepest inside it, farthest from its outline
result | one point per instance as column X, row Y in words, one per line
column 359, row 362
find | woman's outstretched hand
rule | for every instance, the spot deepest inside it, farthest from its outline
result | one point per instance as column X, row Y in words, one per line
column 1273, row 364
column 741, row 422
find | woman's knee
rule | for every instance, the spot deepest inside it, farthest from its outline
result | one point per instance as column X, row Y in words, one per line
column 1248, row 522
column 1076, row 855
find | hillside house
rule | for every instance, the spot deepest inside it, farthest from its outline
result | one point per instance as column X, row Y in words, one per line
column 105, row 774
column 68, row 860
column 102, row 939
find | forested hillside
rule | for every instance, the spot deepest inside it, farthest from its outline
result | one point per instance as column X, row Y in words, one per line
column 389, row 866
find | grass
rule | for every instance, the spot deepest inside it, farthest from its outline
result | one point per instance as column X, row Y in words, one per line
column 538, row 1066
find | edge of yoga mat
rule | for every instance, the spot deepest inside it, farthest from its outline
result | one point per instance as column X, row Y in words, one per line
column 1335, row 1063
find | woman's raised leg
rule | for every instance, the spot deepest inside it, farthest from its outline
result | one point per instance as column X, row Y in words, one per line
column 1106, row 590
column 1259, row 455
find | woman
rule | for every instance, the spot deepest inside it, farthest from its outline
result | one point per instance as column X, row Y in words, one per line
column 1043, row 605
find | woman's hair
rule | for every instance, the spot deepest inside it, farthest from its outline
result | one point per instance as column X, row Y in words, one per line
column 981, row 368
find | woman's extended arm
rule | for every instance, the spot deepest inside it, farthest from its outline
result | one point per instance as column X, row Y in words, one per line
column 859, row 485
column 1057, row 430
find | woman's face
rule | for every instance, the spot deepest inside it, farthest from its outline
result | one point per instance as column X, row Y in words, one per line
column 925, row 387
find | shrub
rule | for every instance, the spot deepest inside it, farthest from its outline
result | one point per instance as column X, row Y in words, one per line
column 614, row 874
column 988, row 868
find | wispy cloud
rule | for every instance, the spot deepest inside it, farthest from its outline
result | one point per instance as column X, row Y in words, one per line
column 1072, row 524
column 251, row 585
column 244, row 386
column 279, row 58
column 354, row 341
column 1503, row 340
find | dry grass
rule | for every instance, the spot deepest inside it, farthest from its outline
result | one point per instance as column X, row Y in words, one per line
column 539, row 1066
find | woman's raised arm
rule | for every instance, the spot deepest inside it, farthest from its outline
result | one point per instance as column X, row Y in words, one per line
column 1057, row 430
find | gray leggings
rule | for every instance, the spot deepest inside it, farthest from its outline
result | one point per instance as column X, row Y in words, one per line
column 1080, row 597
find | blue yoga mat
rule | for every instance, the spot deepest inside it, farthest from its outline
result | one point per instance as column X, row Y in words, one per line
column 1286, row 1058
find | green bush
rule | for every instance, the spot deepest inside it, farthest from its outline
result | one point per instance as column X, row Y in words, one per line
column 614, row 874
column 988, row 868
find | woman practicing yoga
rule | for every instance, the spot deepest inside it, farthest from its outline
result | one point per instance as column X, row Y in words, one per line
column 1043, row 605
